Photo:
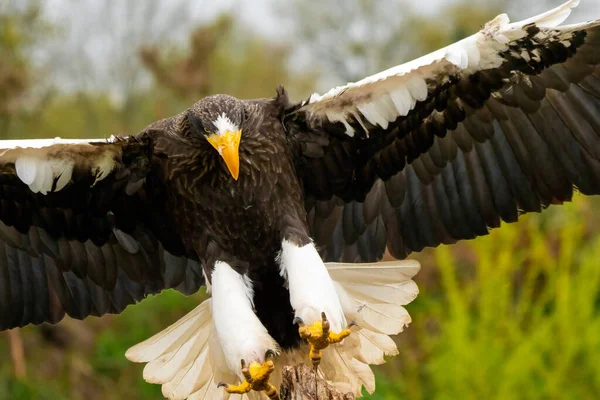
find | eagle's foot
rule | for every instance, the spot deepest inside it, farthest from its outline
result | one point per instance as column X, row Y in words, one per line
column 319, row 336
column 257, row 378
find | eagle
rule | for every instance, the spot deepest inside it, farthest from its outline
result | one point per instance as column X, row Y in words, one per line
column 284, row 210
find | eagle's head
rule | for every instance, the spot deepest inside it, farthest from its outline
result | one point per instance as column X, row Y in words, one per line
column 219, row 119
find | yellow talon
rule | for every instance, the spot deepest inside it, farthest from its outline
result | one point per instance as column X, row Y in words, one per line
column 319, row 337
column 257, row 378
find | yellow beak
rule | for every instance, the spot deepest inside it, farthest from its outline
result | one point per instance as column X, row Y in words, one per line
column 228, row 144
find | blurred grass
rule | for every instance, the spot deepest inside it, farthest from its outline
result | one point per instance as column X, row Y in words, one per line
column 514, row 315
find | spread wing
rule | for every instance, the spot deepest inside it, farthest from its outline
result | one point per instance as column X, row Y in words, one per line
column 443, row 148
column 84, row 230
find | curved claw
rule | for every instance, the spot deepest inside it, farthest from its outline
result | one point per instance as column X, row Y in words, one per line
column 325, row 323
column 256, row 377
column 246, row 371
column 298, row 321
column 351, row 324
column 319, row 337
column 270, row 355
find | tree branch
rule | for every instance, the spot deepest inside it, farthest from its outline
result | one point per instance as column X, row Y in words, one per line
column 300, row 382
column 17, row 353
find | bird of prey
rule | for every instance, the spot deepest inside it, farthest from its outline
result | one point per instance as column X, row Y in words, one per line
column 282, row 210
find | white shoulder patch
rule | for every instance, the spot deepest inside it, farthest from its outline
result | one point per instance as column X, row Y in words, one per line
column 224, row 124
column 48, row 166
column 39, row 173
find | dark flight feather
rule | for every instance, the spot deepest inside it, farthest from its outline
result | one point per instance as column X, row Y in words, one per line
column 90, row 248
column 479, row 149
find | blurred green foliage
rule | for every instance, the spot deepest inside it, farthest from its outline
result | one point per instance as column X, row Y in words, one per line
column 20, row 28
column 514, row 315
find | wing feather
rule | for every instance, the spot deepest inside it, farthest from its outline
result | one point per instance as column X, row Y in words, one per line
column 79, row 234
column 503, row 122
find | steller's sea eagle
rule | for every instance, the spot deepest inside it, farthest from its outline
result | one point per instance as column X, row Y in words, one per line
column 252, row 197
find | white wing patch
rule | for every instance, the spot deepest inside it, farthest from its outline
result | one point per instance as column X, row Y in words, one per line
column 224, row 124
column 39, row 143
column 383, row 97
column 103, row 166
column 40, row 173
column 45, row 166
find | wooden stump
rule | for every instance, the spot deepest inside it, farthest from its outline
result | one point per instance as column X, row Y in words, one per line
column 300, row 382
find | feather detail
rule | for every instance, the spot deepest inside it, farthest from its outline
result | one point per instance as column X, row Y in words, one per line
column 550, row 19
column 170, row 365
column 48, row 166
column 372, row 295
column 188, row 360
column 407, row 84
column 180, row 358
column 345, row 372
column 170, row 337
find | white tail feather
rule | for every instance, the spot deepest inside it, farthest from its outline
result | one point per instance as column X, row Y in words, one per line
column 167, row 339
column 188, row 361
column 372, row 295
column 180, row 357
column 165, row 368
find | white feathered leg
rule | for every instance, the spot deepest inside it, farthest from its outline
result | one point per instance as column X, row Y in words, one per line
column 244, row 340
column 313, row 297
column 237, row 326
column 373, row 295
column 311, row 288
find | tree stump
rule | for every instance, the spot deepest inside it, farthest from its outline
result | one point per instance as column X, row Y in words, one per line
column 301, row 382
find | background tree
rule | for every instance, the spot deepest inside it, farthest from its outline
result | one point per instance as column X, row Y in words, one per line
column 21, row 27
column 346, row 41
column 347, row 38
column 223, row 57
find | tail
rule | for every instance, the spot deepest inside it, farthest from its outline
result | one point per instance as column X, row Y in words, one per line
column 185, row 358
column 188, row 362
column 373, row 296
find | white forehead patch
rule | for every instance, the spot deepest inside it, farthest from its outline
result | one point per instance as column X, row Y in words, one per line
column 224, row 124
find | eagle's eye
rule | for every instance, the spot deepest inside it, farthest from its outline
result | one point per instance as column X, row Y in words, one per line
column 196, row 124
